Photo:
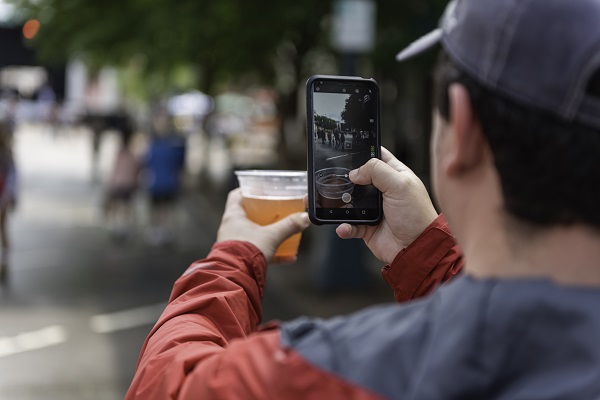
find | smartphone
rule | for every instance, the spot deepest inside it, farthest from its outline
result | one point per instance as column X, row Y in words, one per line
column 343, row 134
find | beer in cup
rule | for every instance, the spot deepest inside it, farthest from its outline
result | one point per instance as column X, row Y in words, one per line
column 334, row 187
column 269, row 196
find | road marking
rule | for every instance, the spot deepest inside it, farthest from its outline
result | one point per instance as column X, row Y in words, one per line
column 26, row 341
column 343, row 155
column 126, row 319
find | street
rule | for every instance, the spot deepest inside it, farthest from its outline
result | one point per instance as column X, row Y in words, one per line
column 328, row 155
column 78, row 306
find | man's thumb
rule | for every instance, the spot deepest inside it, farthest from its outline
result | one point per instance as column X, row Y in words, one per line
column 377, row 173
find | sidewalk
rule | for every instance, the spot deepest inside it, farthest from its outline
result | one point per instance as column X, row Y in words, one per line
column 78, row 305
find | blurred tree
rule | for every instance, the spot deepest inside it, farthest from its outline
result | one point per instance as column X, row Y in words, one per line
column 325, row 122
column 354, row 114
column 278, row 42
column 226, row 39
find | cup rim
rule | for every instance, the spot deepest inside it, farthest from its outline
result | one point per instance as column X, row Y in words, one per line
column 332, row 168
column 267, row 173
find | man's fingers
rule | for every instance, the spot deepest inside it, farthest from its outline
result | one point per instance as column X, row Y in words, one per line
column 305, row 200
column 347, row 231
column 386, row 155
column 388, row 158
column 234, row 198
column 344, row 231
column 386, row 174
column 378, row 173
column 233, row 206
column 289, row 225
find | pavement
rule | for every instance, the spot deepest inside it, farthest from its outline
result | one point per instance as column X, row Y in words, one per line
column 78, row 305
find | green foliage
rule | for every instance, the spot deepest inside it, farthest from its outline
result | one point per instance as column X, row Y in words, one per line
column 226, row 40
column 325, row 122
column 355, row 113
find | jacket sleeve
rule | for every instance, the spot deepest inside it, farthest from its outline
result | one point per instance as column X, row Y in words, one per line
column 216, row 300
column 207, row 343
column 433, row 258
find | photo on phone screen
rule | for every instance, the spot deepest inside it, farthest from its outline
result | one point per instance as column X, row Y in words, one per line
column 343, row 118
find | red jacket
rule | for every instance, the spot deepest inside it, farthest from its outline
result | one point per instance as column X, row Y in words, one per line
column 207, row 344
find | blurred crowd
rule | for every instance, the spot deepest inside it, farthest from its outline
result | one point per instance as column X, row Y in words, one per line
column 160, row 146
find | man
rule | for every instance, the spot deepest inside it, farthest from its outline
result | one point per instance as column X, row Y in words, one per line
column 515, row 167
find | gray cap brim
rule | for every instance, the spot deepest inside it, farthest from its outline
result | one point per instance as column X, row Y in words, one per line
column 420, row 45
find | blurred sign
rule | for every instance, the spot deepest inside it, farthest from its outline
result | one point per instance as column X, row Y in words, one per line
column 354, row 26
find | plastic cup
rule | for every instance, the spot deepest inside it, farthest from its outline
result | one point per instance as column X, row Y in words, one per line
column 269, row 196
column 334, row 187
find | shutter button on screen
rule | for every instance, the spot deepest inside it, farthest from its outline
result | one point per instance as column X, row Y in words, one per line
column 346, row 197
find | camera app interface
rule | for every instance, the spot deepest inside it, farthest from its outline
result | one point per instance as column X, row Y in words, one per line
column 344, row 138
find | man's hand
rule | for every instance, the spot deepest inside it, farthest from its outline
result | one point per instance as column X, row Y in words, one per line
column 407, row 208
column 236, row 226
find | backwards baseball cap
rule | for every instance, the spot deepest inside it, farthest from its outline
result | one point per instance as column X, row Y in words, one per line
column 538, row 53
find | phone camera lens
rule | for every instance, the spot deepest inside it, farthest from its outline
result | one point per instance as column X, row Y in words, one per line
column 356, row 91
column 320, row 82
column 318, row 89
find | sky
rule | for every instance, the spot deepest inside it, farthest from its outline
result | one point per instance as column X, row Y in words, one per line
column 330, row 105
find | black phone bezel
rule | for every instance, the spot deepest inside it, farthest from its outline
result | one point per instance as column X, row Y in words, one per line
column 311, row 172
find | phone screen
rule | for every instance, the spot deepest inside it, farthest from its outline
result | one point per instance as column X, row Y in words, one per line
column 343, row 135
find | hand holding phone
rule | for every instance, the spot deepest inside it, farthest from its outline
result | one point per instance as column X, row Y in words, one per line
column 343, row 134
column 407, row 208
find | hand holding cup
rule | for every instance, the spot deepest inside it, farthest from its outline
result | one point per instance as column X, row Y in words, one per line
column 267, row 211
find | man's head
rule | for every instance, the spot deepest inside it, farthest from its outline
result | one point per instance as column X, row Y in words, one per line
column 530, row 70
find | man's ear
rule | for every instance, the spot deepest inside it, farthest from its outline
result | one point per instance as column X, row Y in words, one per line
column 468, row 143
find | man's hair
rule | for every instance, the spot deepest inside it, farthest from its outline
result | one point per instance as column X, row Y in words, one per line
column 549, row 168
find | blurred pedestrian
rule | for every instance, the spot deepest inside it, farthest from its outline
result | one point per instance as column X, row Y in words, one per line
column 122, row 186
column 322, row 135
column 10, row 114
column 48, row 108
column 163, row 166
column 97, row 125
column 8, row 195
